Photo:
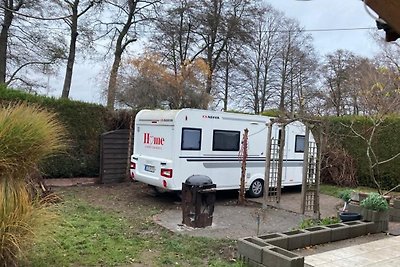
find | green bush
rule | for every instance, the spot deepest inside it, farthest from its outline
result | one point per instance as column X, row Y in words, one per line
column 376, row 202
column 84, row 123
column 345, row 195
column 385, row 145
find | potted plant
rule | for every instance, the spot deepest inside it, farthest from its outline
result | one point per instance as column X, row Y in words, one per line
column 375, row 208
column 345, row 216
column 345, row 195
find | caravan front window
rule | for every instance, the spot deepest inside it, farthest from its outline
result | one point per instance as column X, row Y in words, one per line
column 226, row 140
column 191, row 139
column 299, row 144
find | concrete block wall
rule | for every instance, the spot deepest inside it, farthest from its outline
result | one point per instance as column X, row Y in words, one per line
column 273, row 250
column 394, row 210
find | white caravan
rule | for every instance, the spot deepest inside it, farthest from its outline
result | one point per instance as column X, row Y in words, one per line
column 171, row 145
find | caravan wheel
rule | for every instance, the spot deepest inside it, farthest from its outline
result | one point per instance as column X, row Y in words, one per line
column 256, row 188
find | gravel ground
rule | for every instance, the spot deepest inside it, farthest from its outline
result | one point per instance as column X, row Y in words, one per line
column 131, row 200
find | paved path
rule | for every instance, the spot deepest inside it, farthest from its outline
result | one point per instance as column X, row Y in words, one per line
column 380, row 253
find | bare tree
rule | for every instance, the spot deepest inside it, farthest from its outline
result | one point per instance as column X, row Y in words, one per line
column 221, row 22
column 174, row 36
column 296, row 49
column 259, row 64
column 27, row 46
column 302, row 77
column 77, row 9
column 336, row 74
column 124, row 16
column 381, row 98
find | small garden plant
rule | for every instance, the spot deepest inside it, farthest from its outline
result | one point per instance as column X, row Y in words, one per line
column 375, row 202
column 345, row 195
column 306, row 223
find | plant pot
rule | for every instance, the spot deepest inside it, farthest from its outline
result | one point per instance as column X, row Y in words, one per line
column 355, row 196
column 349, row 216
column 379, row 218
column 362, row 196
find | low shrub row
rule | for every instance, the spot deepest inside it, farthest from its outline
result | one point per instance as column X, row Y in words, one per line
column 384, row 144
column 85, row 122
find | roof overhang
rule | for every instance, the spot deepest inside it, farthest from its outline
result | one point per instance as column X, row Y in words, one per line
column 389, row 11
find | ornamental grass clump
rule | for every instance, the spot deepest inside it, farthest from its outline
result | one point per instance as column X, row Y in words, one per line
column 28, row 134
column 375, row 202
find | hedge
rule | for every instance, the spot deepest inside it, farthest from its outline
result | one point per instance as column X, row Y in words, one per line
column 385, row 144
column 84, row 122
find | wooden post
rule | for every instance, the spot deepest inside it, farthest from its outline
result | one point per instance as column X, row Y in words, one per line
column 129, row 148
column 280, row 162
column 243, row 174
column 305, row 171
column 267, row 164
column 317, row 211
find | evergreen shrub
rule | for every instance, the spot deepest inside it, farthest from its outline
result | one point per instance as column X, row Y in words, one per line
column 385, row 144
column 84, row 123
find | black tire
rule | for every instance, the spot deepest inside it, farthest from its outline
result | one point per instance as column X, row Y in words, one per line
column 256, row 188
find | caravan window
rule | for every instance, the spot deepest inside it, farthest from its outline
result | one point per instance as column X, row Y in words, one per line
column 299, row 144
column 226, row 140
column 191, row 139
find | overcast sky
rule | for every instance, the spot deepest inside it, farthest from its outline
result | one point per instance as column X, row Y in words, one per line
column 312, row 15
column 333, row 14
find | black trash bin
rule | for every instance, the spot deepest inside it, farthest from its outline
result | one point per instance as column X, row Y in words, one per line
column 198, row 198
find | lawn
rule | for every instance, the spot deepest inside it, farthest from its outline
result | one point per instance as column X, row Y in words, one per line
column 92, row 234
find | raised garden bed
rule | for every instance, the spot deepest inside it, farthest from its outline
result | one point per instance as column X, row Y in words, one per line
column 297, row 239
column 319, row 235
column 274, row 249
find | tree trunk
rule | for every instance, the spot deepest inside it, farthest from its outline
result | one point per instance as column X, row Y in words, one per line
column 119, row 49
column 226, row 82
column 112, row 83
column 7, row 20
column 72, row 52
column 209, row 81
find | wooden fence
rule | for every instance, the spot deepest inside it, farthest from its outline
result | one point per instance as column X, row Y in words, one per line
column 114, row 156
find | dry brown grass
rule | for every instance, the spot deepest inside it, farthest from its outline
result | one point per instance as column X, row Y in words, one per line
column 27, row 135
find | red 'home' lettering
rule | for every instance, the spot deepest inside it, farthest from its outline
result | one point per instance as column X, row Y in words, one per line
column 153, row 140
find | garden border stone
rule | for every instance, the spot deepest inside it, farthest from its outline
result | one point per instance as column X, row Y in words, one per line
column 257, row 251
column 276, row 256
column 339, row 231
column 356, row 228
column 319, row 235
column 251, row 247
column 276, row 239
column 297, row 239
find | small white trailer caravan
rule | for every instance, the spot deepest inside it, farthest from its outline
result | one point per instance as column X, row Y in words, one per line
column 171, row 145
